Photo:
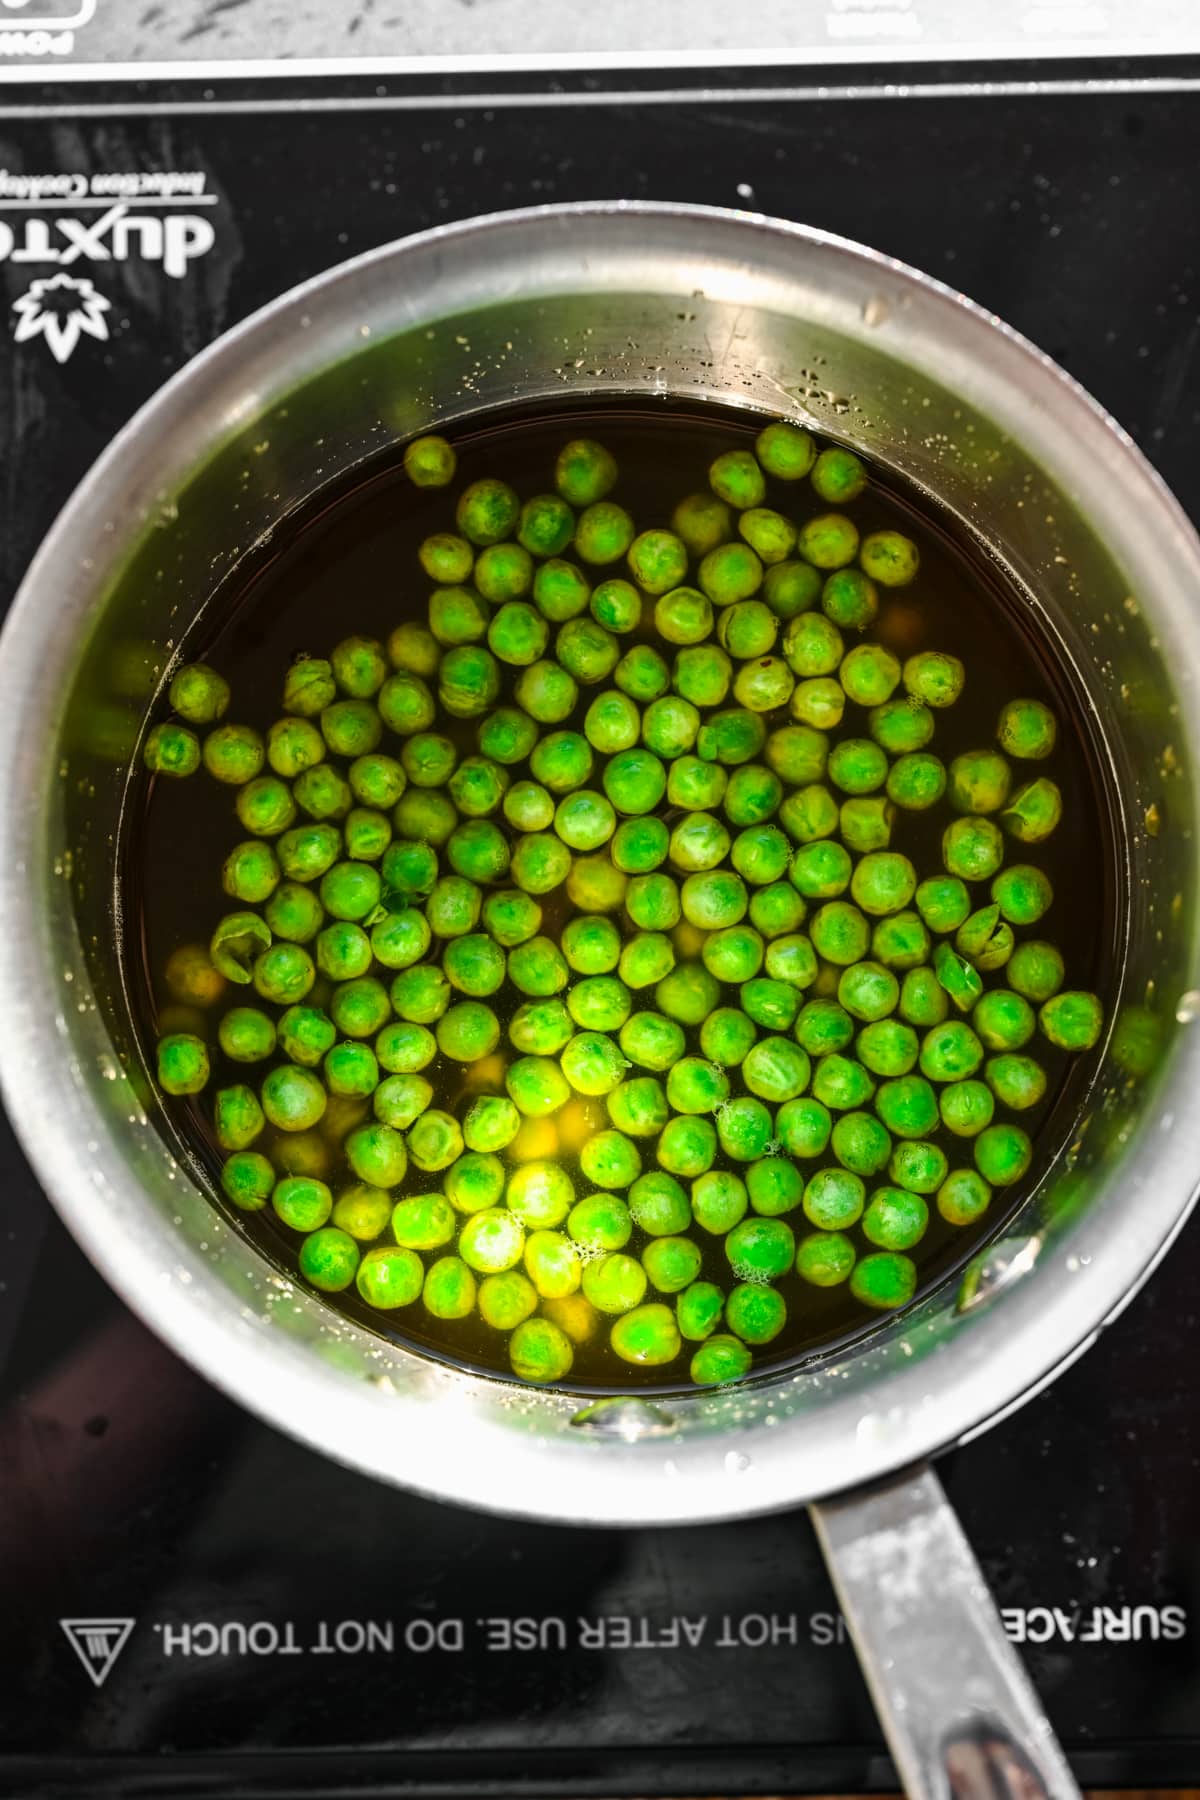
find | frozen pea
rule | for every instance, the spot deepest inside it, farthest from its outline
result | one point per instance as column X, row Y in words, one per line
column 1003, row 1154
column 840, row 933
column 720, row 1361
column 427, row 818
column 1033, row 812
column 966, row 1107
column 546, row 692
column 604, row 532
column 884, row 1280
column 642, row 674
column 852, row 601
column 834, row 1199
column 233, row 754
column 900, row 941
column 503, row 572
column 584, row 471
column 635, row 781
column 714, row 899
column 600, row 1222
column 507, row 1300
column 944, row 902
column 865, row 822
column 697, row 786
column 610, row 1160
column 329, row 1260
column 518, row 634
column 895, row 1219
column 883, row 882
column 791, row 587
column 979, row 781
column 803, row 1126
column 838, row 476
column 972, row 848
column 963, row 1197
column 412, row 648
column 446, row 559
column 868, row 991
column 1026, row 729
column 401, row 1099
column 552, row 1263
column 1072, row 1020
column 918, row 1166
column 491, row 1123
column 730, row 573
column 595, row 884
column 823, row 1027
column 638, row 1107
column 811, row 812
column 731, row 737
column 888, row 1047
column 540, row 1028
column 737, row 478
column 761, row 854
column 487, row 511
column 468, row 684
column 430, row 462
column 744, row 1127
column 916, row 781
column 617, row 606
column 908, row 1106
column 671, row 1263
column 755, row 1313
column 901, row 726
column 457, row 615
column 294, row 745
column 540, row 1352
column 658, row 561
column 1036, row 970
column 1018, row 1082
column 861, row 1143
column 702, row 521
column 1004, row 1020
column 639, row 845
column 648, row 1335
column 587, row 651
column 785, row 451
column 812, row 645
column 698, row 1310
column 536, row 1086
column 540, row 1194
column 934, row 677
column 652, row 902
column 351, row 1070
column 540, row 862
column 923, row 1000
column 775, row 1186
column 857, row 766
column 687, row 1147
column 528, row 807
column 889, row 558
column 829, row 541
column 612, row 722
column 819, row 701
column 825, row 1258
column 1022, row 893
column 776, row 910
column 421, row 994
column 771, row 1004
column 734, row 954
column 592, row 1063
column 561, row 591
column 388, row 1278
column 950, row 1052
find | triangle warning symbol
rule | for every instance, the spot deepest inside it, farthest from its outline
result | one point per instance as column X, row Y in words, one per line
column 97, row 1643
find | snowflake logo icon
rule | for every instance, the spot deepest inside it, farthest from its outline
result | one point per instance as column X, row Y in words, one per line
column 61, row 309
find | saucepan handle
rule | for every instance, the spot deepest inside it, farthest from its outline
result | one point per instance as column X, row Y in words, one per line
column 959, row 1712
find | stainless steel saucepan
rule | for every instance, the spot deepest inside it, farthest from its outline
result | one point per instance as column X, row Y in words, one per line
column 631, row 299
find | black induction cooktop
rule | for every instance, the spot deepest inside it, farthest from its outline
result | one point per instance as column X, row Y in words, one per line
column 194, row 1605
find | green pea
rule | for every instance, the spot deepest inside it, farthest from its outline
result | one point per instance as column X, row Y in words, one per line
column 401, row 1099
column 449, row 1291
column 540, row 862
column 722, row 1360
column 173, row 750
column 610, row 1160
column 950, row 1052
column 688, row 1146
column 889, row 558
column 425, row 1221
column 518, row 634
column 755, row 1313
column 491, row 1124
column 734, row 954
column 1027, row 729
column 972, row 848
column 247, row 1179
column 730, row 573
column 198, row 694
column 900, row 941
column 985, row 939
column 586, row 650
column 857, row 766
column 638, row 1107
column 963, row 1197
column 760, row 854
column 696, row 1086
column 811, row 812
column 884, row 1280
column 752, row 794
column 669, row 726
column 1003, row 1154
column 748, row 629
column 1017, row 1081
column 389, row 1278
column 474, row 964
column 825, row 1259
column 744, row 1128
column 764, row 684
column 1022, row 893
column 245, row 1035
column 1036, row 970
column 445, row 558
column 284, row 973
column 943, row 902
column 659, row 1205
column 604, row 532
column 869, row 673
column 861, row 1143
column 888, row 1047
column 1034, row 811
column 671, row 1263
column 865, row 823
column 838, row 476
column 812, row 645
column 840, row 1083
column 236, row 943
column 775, row 910
column 639, row 845
column 731, row 737
column 771, row 1004
column 658, row 561
column 503, row 572
column 834, row 1199
column 409, row 869
column 467, row 675
column 536, row 1086
column 293, row 913
column 648, row 1336
column 1072, row 1020
column 775, row 1186
column 540, row 1352
column 305, row 1034
column 901, row 727
column 506, row 1301
column 698, row 1310
column 492, row 1240
column 183, row 1066
column 430, row 462
column 923, row 1000
column 540, row 1194
column 789, row 588
column 614, row 1283
column 714, row 899
column 600, row 1222
column 918, row 1166
column 233, row 754
column 308, row 687
column 908, row 1107
column 642, row 674
column 916, row 781
column 434, row 1142
column 736, row 478
column 703, row 522
column 719, row 1201
column 600, row 1003
column 635, row 781
column 617, row 606
column 421, row 994
column 934, row 677
column 966, row 1108
column 378, row 782
column 1004, row 1020
column 592, row 1063
column 329, row 1259
column 584, row 472
column 823, row 1027
column 359, row 1008
column 840, row 933
column 652, row 902
column 785, row 451
column 540, row 1028
column 293, row 1098
column 819, row 702
column 414, row 649
column 251, row 873
column 895, row 1219
column 237, row 1117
